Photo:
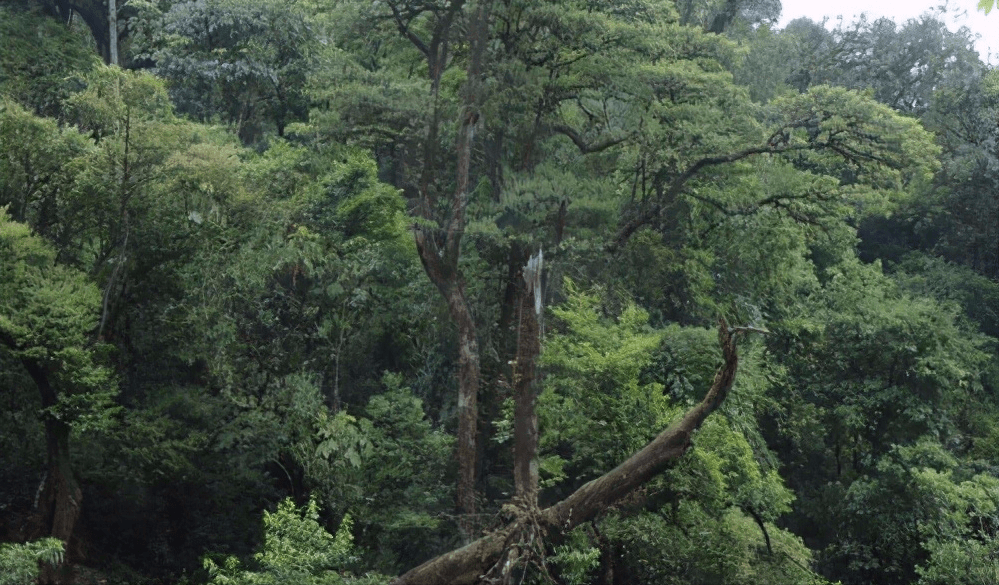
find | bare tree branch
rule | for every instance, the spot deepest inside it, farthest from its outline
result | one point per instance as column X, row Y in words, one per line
column 585, row 147
column 403, row 26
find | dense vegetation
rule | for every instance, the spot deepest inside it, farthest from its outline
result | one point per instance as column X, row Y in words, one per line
column 308, row 292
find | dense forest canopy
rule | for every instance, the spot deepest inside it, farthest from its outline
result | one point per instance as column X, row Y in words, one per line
column 495, row 291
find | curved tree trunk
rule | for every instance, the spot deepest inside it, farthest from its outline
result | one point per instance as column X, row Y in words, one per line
column 439, row 255
column 95, row 14
column 440, row 249
column 497, row 551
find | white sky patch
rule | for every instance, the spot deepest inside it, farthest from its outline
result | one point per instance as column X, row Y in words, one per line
column 959, row 13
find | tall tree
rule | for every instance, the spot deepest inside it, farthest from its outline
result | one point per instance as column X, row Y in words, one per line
column 48, row 314
column 605, row 90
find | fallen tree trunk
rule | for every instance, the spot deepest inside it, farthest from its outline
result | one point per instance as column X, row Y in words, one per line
column 486, row 554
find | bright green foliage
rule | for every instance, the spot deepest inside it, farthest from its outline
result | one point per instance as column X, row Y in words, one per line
column 605, row 383
column 293, row 546
column 87, row 189
column 355, row 206
column 296, row 551
column 963, row 562
column 723, row 472
column 113, row 203
column 720, row 484
column 754, row 266
column 391, row 468
column 47, row 313
column 685, row 545
column 20, row 563
column 919, row 508
column 38, row 174
column 740, row 236
column 114, row 99
column 860, row 142
column 577, row 559
column 593, row 388
column 255, row 299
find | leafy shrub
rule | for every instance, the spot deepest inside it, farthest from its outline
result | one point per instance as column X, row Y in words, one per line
column 296, row 551
column 19, row 563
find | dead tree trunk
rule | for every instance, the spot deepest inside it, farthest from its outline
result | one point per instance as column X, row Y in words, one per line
column 525, row 426
column 497, row 550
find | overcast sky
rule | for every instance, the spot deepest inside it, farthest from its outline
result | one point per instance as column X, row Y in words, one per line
column 960, row 13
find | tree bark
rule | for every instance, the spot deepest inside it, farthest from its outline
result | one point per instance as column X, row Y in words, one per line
column 112, row 33
column 440, row 251
column 61, row 498
column 525, row 426
column 469, row 563
column 468, row 397
column 448, row 281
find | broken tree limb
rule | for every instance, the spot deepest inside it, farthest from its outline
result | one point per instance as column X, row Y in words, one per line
column 525, row 419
